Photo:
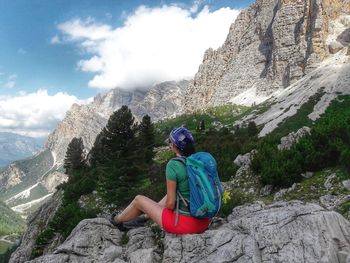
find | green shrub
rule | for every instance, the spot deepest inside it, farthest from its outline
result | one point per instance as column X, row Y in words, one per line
column 327, row 146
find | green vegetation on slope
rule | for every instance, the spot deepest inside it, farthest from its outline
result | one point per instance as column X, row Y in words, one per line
column 327, row 146
column 5, row 256
column 10, row 222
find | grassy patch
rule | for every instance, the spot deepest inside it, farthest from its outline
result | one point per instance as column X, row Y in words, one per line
column 344, row 208
column 313, row 188
column 124, row 239
column 4, row 246
column 225, row 114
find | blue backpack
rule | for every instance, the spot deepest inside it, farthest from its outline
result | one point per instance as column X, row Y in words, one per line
column 205, row 186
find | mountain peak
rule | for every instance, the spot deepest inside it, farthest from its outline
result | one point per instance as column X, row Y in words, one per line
column 270, row 46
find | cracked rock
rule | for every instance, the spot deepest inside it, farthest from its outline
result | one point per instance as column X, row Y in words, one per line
column 280, row 232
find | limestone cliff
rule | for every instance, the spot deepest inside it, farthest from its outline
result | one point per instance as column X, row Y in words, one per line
column 271, row 45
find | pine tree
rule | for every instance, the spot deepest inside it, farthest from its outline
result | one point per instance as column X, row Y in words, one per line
column 252, row 129
column 115, row 158
column 74, row 159
column 146, row 139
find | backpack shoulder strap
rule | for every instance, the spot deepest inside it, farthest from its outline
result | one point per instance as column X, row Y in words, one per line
column 180, row 159
column 179, row 196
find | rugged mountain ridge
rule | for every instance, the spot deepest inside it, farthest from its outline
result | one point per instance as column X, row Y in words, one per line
column 162, row 100
column 271, row 45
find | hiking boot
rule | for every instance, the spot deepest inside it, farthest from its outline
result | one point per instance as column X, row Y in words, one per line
column 139, row 221
column 119, row 225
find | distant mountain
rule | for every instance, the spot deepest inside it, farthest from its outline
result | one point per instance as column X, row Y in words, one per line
column 15, row 147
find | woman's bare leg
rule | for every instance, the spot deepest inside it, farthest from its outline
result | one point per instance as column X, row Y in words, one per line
column 142, row 204
column 161, row 203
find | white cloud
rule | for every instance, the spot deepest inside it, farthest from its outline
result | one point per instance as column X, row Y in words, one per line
column 153, row 45
column 10, row 82
column 55, row 40
column 34, row 114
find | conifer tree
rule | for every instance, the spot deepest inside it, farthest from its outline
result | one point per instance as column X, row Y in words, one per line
column 74, row 159
column 115, row 158
column 252, row 129
column 146, row 139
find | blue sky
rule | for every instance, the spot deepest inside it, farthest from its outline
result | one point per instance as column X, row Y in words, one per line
column 72, row 50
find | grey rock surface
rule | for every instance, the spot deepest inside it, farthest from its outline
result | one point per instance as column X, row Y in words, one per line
column 307, row 174
column 11, row 177
column 346, row 184
column 280, row 232
column 266, row 190
column 292, row 138
column 332, row 202
column 244, row 161
column 280, row 194
column 328, row 184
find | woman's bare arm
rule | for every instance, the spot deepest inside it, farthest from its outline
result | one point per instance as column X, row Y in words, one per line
column 171, row 194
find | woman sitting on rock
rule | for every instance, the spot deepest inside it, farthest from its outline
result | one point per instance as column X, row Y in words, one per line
column 164, row 213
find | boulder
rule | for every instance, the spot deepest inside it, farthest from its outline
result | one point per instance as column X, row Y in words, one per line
column 328, row 184
column 346, row 184
column 280, row 232
column 292, row 138
column 307, row 175
column 266, row 190
column 334, row 47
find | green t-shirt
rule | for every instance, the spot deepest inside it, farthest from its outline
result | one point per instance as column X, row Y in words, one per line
column 176, row 171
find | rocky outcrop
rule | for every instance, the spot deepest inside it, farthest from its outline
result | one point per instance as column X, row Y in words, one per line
column 271, row 45
column 52, row 180
column 11, row 177
column 244, row 161
column 292, row 138
column 36, row 222
column 281, row 232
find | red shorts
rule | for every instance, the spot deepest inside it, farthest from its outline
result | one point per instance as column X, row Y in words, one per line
column 185, row 224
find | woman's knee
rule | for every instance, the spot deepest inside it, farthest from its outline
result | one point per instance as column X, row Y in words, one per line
column 138, row 199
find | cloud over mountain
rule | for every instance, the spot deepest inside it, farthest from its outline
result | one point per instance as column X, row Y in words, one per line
column 34, row 114
column 152, row 45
